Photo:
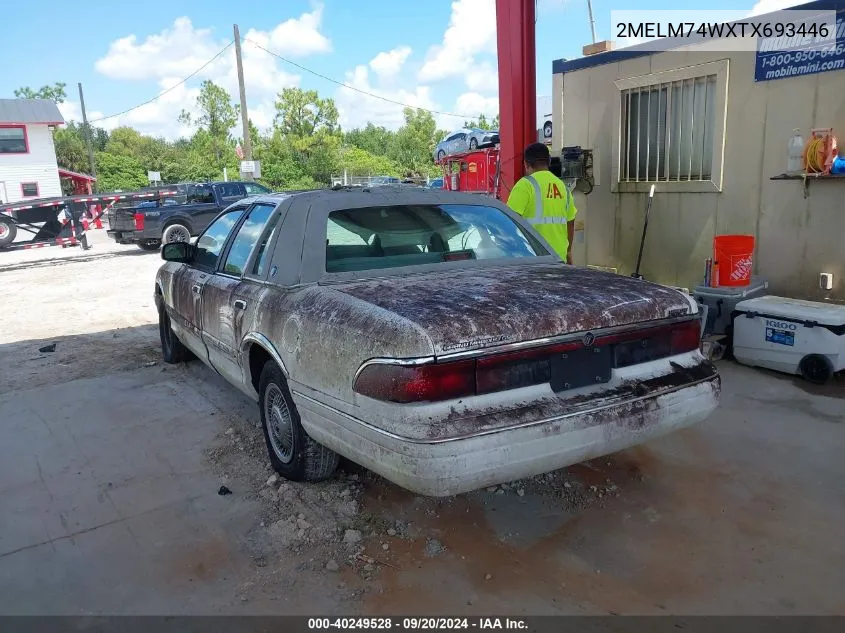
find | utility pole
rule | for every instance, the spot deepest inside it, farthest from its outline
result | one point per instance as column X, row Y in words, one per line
column 87, row 129
column 592, row 20
column 244, row 115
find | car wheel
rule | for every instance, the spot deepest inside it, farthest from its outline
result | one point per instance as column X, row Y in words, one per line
column 172, row 349
column 547, row 129
column 176, row 233
column 8, row 232
column 149, row 245
column 816, row 368
column 293, row 454
column 473, row 144
column 441, row 155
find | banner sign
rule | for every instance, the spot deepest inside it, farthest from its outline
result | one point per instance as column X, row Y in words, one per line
column 805, row 53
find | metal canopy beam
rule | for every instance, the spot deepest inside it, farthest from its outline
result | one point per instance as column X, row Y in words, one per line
column 515, row 26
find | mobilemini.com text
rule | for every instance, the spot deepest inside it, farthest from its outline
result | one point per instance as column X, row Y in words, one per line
column 733, row 29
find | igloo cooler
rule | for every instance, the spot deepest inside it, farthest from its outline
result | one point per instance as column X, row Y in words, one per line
column 790, row 336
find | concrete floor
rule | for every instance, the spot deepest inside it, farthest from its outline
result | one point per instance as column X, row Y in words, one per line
column 107, row 504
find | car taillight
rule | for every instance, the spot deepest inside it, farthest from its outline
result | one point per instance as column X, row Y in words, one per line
column 433, row 382
column 417, row 383
column 686, row 337
column 642, row 346
column 139, row 221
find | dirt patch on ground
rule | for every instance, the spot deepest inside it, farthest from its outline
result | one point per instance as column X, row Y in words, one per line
column 366, row 530
column 63, row 358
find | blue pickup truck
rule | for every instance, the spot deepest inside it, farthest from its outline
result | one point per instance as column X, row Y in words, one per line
column 177, row 219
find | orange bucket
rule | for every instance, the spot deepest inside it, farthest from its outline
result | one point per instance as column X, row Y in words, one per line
column 734, row 255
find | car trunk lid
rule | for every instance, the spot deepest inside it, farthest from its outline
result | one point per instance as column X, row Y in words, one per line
column 480, row 308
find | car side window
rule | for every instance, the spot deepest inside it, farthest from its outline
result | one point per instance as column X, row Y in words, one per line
column 200, row 193
column 246, row 239
column 255, row 189
column 261, row 259
column 210, row 243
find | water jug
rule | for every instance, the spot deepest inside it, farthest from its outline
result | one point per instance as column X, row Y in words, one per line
column 795, row 153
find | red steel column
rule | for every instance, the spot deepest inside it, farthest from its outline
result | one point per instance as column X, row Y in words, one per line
column 517, row 85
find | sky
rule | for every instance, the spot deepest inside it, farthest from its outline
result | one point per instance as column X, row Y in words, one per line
column 439, row 55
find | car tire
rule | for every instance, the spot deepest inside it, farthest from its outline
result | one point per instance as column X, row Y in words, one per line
column 473, row 144
column 149, row 245
column 293, row 454
column 8, row 232
column 441, row 155
column 547, row 129
column 176, row 233
column 172, row 349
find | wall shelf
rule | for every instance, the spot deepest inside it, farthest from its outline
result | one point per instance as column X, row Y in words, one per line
column 806, row 178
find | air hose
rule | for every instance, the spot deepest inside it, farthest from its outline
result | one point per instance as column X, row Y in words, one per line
column 814, row 152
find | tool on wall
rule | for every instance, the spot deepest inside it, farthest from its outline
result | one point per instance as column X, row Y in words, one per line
column 636, row 274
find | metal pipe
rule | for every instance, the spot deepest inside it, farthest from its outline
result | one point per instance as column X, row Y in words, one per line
column 592, row 20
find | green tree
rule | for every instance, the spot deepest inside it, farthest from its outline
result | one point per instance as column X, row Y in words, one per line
column 374, row 139
column 303, row 113
column 358, row 162
column 119, row 172
column 56, row 92
column 414, row 143
column 71, row 151
column 215, row 114
column 482, row 123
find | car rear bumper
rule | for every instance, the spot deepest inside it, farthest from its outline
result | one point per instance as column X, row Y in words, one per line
column 122, row 237
column 448, row 466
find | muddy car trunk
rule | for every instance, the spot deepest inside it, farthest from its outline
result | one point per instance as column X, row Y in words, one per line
column 472, row 309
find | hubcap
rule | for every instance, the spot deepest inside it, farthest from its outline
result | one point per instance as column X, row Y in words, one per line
column 178, row 235
column 279, row 423
column 4, row 230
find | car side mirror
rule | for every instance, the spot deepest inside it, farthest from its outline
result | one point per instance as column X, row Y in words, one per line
column 182, row 252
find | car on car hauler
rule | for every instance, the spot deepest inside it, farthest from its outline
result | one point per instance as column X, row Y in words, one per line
column 430, row 336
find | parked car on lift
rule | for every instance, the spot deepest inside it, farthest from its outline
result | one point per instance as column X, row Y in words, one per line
column 464, row 140
column 545, row 132
column 433, row 337
column 176, row 219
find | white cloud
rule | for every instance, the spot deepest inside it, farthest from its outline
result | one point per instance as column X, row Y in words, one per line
column 483, row 77
column 388, row 63
column 300, row 37
column 473, row 104
column 182, row 48
column 471, row 31
column 356, row 109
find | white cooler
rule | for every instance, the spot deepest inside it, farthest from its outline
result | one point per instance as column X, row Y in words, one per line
column 791, row 336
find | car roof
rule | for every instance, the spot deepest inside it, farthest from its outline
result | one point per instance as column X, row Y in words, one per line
column 397, row 194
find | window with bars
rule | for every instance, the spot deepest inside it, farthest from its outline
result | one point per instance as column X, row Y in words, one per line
column 668, row 131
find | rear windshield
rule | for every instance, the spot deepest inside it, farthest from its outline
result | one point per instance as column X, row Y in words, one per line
column 393, row 236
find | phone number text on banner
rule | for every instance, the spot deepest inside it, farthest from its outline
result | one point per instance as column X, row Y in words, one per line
column 783, row 57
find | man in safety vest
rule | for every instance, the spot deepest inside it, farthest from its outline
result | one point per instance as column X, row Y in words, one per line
column 542, row 199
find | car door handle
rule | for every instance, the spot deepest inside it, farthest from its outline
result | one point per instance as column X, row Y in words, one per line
column 240, row 304
column 196, row 288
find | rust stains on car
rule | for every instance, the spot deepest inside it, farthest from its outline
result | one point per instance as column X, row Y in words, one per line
column 632, row 408
column 463, row 309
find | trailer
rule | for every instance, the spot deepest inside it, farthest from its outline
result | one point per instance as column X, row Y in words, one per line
column 63, row 221
column 475, row 171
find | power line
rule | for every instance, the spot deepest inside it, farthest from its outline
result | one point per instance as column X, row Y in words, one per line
column 345, row 85
column 173, row 87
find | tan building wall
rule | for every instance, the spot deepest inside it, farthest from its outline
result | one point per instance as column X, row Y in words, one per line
column 796, row 238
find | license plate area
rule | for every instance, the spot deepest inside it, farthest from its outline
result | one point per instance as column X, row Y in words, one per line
column 581, row 368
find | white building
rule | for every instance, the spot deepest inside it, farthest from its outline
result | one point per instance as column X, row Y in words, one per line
column 709, row 127
column 28, row 166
